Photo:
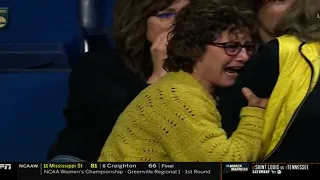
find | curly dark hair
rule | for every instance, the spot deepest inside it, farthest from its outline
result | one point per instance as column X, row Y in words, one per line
column 130, row 19
column 198, row 24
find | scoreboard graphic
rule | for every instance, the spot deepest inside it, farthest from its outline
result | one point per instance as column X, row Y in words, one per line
column 212, row 171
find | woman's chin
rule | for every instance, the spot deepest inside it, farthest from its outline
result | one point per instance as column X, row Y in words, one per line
column 227, row 83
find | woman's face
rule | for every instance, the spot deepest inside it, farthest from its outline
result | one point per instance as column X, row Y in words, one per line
column 220, row 65
column 162, row 22
column 269, row 16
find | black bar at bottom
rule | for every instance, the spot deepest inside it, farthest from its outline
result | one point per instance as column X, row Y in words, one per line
column 8, row 171
column 212, row 171
column 269, row 171
column 97, row 171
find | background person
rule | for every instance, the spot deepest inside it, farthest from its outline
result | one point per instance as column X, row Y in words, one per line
column 106, row 80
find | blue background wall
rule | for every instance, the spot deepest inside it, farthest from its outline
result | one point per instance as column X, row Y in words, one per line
column 43, row 20
column 32, row 101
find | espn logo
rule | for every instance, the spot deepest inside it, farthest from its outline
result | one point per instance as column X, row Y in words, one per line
column 5, row 166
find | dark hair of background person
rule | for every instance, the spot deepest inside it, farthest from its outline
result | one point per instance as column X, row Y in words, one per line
column 302, row 20
column 195, row 27
column 130, row 19
column 253, row 5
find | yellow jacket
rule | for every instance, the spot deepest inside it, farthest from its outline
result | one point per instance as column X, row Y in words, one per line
column 296, row 80
column 176, row 119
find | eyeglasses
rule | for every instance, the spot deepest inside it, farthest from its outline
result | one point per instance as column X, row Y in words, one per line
column 166, row 16
column 234, row 48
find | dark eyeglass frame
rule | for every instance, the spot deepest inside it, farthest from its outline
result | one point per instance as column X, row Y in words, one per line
column 166, row 17
column 250, row 48
column 163, row 15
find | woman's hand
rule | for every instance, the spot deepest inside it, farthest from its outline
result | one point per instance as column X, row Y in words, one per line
column 158, row 52
column 253, row 100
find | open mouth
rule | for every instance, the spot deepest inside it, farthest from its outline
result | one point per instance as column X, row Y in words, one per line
column 232, row 71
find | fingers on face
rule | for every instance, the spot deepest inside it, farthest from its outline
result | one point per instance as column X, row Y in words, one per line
column 160, row 43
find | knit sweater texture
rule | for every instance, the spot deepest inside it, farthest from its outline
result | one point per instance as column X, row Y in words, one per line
column 176, row 120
